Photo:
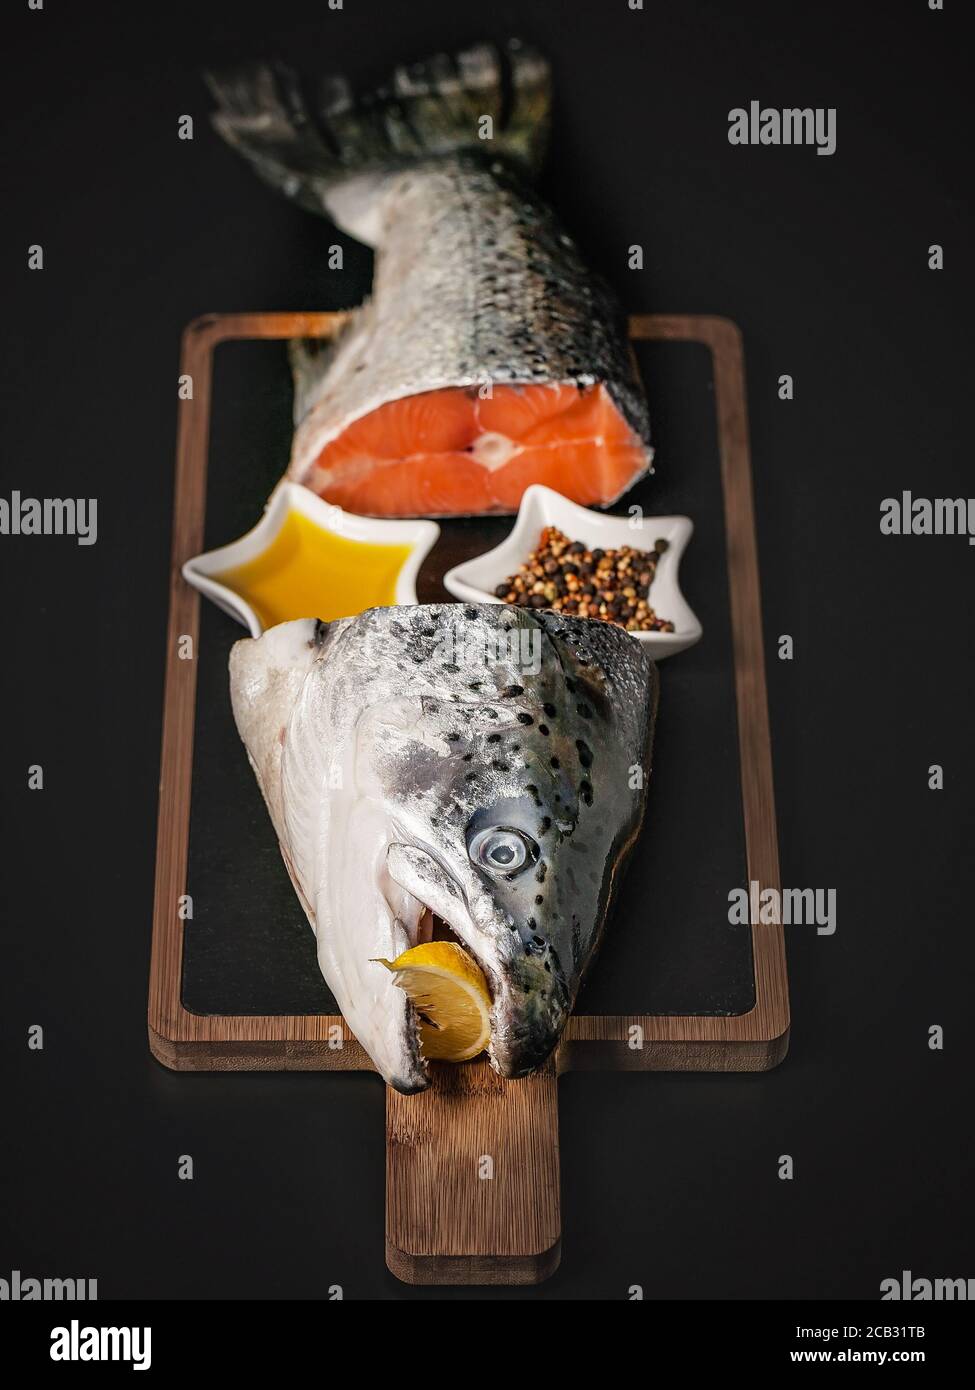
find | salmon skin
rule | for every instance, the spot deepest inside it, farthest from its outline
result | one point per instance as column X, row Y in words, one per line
column 474, row 761
column 488, row 356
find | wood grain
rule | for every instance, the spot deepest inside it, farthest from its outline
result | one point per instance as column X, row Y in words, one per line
column 445, row 1223
column 472, row 1179
column 753, row 1041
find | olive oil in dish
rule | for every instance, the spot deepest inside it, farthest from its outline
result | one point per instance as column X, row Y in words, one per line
column 308, row 572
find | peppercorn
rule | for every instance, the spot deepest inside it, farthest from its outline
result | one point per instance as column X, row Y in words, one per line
column 566, row 576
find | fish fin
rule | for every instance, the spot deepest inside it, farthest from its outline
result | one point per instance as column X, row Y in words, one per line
column 529, row 119
column 262, row 115
column 338, row 160
column 437, row 106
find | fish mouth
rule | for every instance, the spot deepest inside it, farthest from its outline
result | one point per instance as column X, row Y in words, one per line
column 529, row 1003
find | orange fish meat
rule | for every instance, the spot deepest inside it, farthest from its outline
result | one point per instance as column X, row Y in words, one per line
column 488, row 357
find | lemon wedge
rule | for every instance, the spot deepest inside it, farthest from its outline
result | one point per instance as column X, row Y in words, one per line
column 448, row 990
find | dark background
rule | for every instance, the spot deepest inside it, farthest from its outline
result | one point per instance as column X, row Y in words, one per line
column 668, row 1181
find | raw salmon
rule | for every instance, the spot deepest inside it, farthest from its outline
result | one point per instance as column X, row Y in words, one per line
column 488, row 356
column 413, row 763
column 444, row 453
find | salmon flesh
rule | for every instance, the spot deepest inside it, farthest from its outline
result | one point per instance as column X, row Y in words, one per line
column 476, row 762
column 488, row 356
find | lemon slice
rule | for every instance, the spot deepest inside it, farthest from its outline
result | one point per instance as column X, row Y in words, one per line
column 448, row 990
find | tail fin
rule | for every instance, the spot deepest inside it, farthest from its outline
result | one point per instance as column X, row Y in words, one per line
column 429, row 108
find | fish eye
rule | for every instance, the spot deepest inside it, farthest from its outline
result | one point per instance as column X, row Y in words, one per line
column 501, row 850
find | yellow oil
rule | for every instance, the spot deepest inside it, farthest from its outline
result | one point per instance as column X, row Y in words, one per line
column 307, row 572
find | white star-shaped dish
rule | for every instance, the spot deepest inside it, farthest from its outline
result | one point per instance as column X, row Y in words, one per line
column 475, row 580
column 203, row 570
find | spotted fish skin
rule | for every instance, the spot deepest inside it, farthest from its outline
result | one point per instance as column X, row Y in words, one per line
column 477, row 285
column 392, row 747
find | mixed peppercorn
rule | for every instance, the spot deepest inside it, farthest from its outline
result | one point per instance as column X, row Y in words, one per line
column 566, row 575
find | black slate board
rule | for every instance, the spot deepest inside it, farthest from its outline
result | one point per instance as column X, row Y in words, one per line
column 669, row 948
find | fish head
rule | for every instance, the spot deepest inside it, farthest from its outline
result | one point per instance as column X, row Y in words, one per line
column 480, row 763
column 513, row 772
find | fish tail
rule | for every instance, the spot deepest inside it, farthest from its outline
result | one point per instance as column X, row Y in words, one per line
column 334, row 155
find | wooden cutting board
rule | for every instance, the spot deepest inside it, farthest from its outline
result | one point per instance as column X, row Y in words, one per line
column 472, row 1169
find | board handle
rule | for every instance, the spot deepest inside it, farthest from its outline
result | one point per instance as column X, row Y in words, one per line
column 472, row 1178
